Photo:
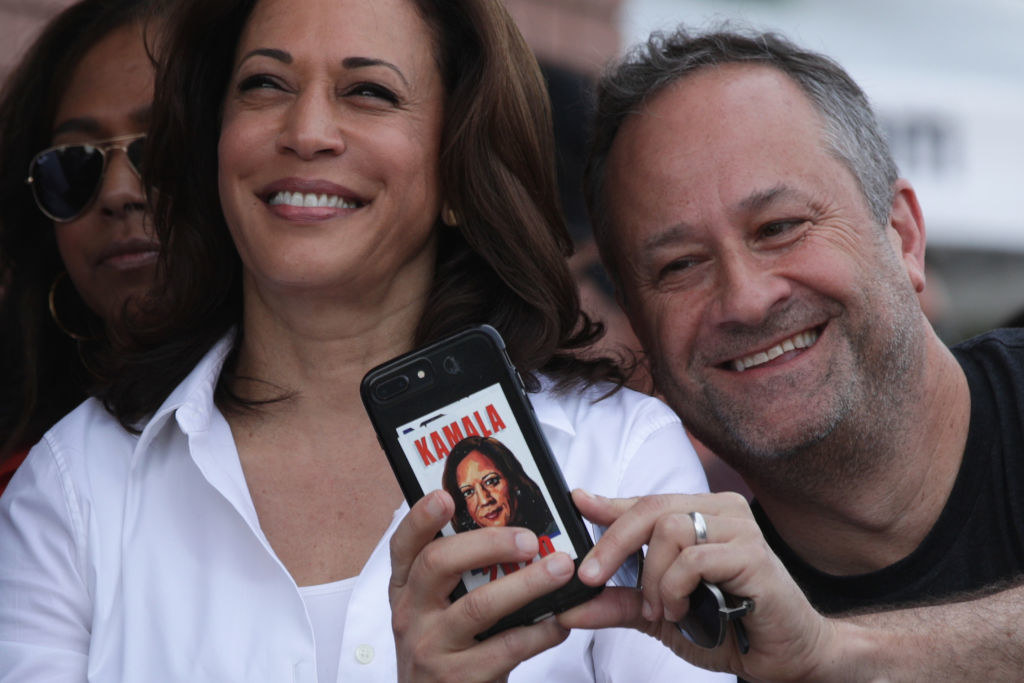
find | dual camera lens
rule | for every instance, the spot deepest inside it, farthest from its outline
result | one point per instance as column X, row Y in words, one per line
column 420, row 374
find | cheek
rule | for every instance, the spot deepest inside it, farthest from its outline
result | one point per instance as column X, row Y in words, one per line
column 73, row 246
column 664, row 323
column 242, row 148
column 411, row 157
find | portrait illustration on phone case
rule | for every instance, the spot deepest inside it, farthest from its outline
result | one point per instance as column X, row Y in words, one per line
column 473, row 449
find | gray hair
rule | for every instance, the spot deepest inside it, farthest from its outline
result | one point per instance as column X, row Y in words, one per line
column 851, row 132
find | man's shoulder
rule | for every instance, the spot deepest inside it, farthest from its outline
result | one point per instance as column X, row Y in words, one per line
column 1007, row 340
column 993, row 361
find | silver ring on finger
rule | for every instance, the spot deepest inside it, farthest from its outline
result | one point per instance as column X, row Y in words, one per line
column 700, row 527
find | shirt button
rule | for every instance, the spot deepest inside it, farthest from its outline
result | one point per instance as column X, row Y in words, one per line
column 364, row 654
column 304, row 672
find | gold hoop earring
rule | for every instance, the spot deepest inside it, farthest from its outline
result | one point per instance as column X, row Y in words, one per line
column 63, row 275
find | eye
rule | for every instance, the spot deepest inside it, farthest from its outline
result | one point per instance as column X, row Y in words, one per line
column 492, row 481
column 676, row 266
column 778, row 228
column 372, row 90
column 466, row 491
column 258, row 82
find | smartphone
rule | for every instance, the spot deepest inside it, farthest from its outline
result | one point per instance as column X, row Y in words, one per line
column 455, row 415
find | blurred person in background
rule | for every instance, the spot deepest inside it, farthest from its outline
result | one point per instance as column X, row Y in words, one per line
column 75, row 245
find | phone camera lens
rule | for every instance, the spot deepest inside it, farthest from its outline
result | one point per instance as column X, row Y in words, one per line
column 450, row 365
column 390, row 388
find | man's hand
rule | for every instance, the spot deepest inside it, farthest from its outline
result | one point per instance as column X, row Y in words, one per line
column 789, row 640
column 434, row 637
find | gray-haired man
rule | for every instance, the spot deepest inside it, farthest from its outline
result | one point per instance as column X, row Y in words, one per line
column 769, row 258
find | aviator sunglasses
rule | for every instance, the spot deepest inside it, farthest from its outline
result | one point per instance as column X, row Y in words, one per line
column 66, row 179
column 707, row 621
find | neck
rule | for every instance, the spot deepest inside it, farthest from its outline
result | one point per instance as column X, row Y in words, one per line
column 317, row 350
column 879, row 510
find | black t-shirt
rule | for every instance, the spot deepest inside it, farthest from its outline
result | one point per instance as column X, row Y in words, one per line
column 978, row 539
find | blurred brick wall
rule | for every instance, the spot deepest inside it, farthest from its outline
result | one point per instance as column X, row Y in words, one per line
column 578, row 34
column 20, row 21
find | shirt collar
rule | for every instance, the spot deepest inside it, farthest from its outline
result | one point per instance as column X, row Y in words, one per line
column 191, row 402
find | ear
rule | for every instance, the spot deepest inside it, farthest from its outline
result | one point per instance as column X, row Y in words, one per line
column 906, row 232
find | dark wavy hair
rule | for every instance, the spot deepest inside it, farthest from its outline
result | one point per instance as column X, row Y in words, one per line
column 504, row 265
column 531, row 509
column 42, row 375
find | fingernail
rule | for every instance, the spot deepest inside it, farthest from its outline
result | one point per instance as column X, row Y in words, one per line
column 648, row 611
column 526, row 542
column 594, row 496
column 590, row 568
column 434, row 506
column 560, row 566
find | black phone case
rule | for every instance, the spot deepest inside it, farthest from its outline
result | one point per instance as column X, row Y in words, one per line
column 412, row 393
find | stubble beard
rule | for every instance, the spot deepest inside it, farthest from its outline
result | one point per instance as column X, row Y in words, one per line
column 853, row 432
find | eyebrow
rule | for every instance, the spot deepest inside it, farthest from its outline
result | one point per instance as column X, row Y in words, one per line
column 670, row 235
column 348, row 62
column 90, row 126
column 764, row 198
column 363, row 62
column 79, row 124
column 279, row 55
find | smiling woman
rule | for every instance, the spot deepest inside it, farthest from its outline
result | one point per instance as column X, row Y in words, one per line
column 490, row 488
column 73, row 245
column 339, row 181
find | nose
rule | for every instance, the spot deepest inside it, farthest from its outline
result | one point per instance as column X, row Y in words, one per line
column 311, row 127
column 749, row 289
column 121, row 190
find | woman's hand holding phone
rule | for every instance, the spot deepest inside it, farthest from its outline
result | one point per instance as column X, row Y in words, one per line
column 435, row 637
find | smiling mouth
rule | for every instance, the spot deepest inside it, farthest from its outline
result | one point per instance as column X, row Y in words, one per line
column 493, row 514
column 798, row 341
column 312, row 200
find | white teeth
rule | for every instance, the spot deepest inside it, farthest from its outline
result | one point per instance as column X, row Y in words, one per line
column 311, row 200
column 801, row 340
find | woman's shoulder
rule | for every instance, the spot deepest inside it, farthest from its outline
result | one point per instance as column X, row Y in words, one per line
column 90, row 421
column 620, row 444
column 602, row 404
column 88, row 436
column 90, row 441
column 83, row 457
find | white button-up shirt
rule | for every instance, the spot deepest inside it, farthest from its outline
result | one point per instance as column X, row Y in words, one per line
column 130, row 557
